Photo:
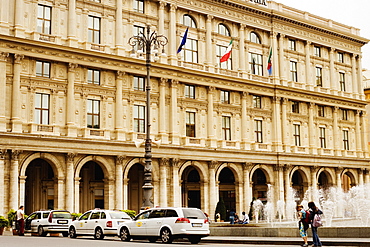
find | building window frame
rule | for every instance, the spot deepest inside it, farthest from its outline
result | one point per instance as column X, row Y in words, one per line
column 344, row 114
column 257, row 101
column 292, row 45
column 190, row 50
column 340, row 57
column 258, row 130
column 220, row 51
column 42, row 108
column 139, row 118
column 226, row 128
column 295, row 107
column 139, row 83
column 294, row 71
column 138, row 6
column 190, row 124
column 321, row 110
column 93, row 76
column 254, row 38
column 297, row 134
column 189, row 91
column 225, row 97
column 44, row 15
column 317, row 51
column 43, row 69
column 256, row 63
column 322, row 137
column 223, row 30
column 93, row 114
column 345, row 139
column 189, row 21
column 94, row 29
column 342, row 81
column 318, row 76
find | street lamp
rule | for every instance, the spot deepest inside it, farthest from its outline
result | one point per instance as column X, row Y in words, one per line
column 144, row 43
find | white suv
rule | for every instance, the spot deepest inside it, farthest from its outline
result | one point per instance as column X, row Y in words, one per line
column 98, row 223
column 42, row 222
column 166, row 223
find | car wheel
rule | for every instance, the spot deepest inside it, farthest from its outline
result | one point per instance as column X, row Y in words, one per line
column 72, row 232
column 194, row 240
column 65, row 234
column 166, row 236
column 124, row 234
column 41, row 231
column 152, row 239
column 98, row 233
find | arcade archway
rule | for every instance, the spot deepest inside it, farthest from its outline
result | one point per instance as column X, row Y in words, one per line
column 135, row 184
column 299, row 185
column 259, row 185
column 227, row 189
column 190, row 188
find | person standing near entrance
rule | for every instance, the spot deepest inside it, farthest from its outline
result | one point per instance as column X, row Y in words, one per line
column 313, row 211
column 303, row 225
column 20, row 220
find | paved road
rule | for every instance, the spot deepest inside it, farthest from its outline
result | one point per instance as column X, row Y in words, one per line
column 34, row 241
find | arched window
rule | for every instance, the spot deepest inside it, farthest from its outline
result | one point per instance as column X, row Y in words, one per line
column 187, row 20
column 253, row 37
column 223, row 30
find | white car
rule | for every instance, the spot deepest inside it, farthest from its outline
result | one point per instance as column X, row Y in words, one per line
column 43, row 222
column 167, row 224
column 98, row 223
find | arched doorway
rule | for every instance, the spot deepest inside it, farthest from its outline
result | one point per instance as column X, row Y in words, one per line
column 91, row 187
column 259, row 185
column 323, row 181
column 135, row 191
column 299, row 186
column 40, row 187
column 347, row 183
column 227, row 188
column 190, row 188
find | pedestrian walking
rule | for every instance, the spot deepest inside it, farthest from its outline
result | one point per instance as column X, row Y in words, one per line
column 20, row 221
column 313, row 212
column 303, row 223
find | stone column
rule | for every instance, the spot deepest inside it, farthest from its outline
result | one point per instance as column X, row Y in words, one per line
column 248, row 197
column 360, row 87
column 19, row 14
column 336, row 132
column 282, row 67
column 119, row 107
column 119, row 182
column 2, row 178
column 354, row 77
column 172, row 38
column 161, row 23
column 174, row 133
column 61, row 193
column 13, row 180
column 333, row 79
column 275, row 60
column 111, row 197
column 242, row 59
column 71, row 126
column 244, row 124
column 77, row 194
column 312, row 129
column 285, row 125
column 309, row 80
column 163, row 165
column 210, row 128
column 358, row 134
column 3, row 60
column 287, row 186
column 72, row 24
column 16, row 95
column 22, row 190
column 313, row 170
column 125, row 192
column 209, row 54
column 176, row 188
column 361, row 176
column 367, row 178
column 364, row 135
column 213, row 195
column 119, row 29
column 162, row 111
column 276, row 119
column 69, row 190
column 280, row 183
column 4, row 20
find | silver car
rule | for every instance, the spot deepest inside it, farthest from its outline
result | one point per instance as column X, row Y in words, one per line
column 167, row 224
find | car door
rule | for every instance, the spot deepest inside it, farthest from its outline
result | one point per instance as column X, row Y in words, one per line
column 36, row 222
column 154, row 222
column 27, row 224
column 138, row 225
column 92, row 222
column 80, row 224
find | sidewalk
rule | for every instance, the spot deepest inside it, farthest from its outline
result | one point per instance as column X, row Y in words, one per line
column 287, row 240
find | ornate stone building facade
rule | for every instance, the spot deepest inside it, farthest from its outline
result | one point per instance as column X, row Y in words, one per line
column 73, row 98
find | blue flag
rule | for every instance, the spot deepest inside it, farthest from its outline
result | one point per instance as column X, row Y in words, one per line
column 183, row 41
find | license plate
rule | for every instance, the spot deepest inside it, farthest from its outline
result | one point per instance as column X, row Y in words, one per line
column 62, row 221
column 197, row 224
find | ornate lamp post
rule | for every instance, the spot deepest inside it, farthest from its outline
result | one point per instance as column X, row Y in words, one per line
column 145, row 43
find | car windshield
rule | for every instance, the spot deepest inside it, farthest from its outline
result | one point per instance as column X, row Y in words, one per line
column 192, row 213
column 62, row 215
column 119, row 215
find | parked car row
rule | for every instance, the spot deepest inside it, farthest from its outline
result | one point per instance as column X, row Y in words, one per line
column 165, row 224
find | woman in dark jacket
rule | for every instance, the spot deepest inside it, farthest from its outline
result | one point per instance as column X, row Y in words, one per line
column 313, row 211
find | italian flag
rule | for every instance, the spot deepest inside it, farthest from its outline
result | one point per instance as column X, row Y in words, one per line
column 227, row 54
column 269, row 62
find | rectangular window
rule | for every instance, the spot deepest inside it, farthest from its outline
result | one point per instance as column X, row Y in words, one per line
column 43, row 69
column 293, row 71
column 225, row 97
column 322, row 137
column 93, row 113
column 317, row 51
column 138, row 6
column 344, row 114
column 93, row 76
column 319, row 76
column 342, row 81
column 190, row 124
column 139, row 83
column 297, row 135
column 43, row 19
column 190, row 91
column 257, row 101
column 295, row 107
column 191, row 51
column 255, row 64
column 340, row 57
column 258, row 130
column 42, row 108
column 321, row 111
column 292, row 45
column 93, row 31
column 226, row 129
column 220, row 51
column 139, row 118
column 345, row 140
column 138, row 31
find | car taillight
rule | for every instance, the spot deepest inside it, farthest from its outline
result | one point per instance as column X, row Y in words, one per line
column 109, row 224
column 206, row 221
column 182, row 220
column 50, row 219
